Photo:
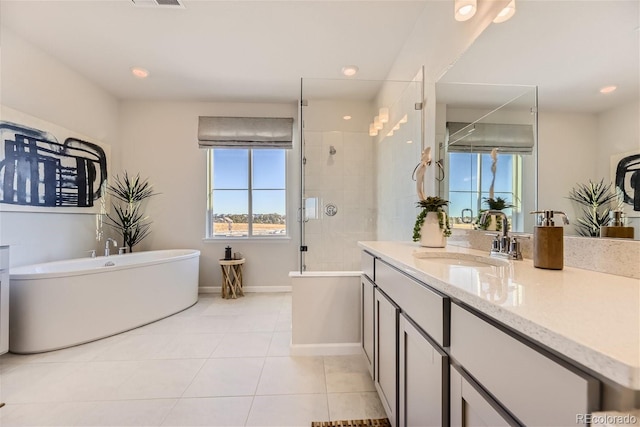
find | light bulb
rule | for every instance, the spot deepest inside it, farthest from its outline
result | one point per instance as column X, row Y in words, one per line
column 506, row 13
column 464, row 9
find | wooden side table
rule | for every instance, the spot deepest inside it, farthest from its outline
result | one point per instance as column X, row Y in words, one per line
column 232, row 277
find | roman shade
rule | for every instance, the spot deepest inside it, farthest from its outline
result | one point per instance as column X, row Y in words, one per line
column 484, row 137
column 245, row 132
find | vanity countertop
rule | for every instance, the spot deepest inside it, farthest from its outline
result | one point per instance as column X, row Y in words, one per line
column 589, row 317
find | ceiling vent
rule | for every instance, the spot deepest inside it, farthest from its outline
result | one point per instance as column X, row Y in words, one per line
column 175, row 4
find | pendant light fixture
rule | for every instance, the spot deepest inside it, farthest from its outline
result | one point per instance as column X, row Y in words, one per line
column 464, row 9
column 506, row 13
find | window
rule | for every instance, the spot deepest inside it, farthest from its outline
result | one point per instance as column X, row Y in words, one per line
column 247, row 193
column 470, row 189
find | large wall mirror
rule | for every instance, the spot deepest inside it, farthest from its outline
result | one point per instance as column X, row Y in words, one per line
column 486, row 137
column 569, row 50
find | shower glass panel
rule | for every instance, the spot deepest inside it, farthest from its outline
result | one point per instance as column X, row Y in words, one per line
column 347, row 169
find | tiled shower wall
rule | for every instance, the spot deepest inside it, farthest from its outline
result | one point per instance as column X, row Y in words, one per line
column 345, row 179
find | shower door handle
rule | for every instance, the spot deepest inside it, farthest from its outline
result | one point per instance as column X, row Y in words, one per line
column 299, row 215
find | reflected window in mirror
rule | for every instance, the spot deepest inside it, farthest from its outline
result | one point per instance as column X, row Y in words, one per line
column 469, row 191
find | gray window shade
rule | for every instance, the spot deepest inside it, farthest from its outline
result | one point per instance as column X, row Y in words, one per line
column 245, row 132
column 484, row 137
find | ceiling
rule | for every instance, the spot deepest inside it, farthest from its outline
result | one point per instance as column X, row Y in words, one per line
column 569, row 49
column 216, row 50
column 257, row 51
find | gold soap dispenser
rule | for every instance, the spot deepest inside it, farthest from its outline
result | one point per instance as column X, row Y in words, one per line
column 548, row 241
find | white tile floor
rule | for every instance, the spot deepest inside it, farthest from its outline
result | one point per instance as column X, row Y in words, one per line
column 219, row 363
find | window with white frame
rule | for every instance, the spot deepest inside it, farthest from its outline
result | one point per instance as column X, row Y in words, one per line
column 247, row 193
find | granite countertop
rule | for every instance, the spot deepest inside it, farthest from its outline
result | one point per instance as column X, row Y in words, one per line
column 589, row 317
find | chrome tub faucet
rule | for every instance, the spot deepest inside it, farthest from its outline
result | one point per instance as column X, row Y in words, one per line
column 106, row 245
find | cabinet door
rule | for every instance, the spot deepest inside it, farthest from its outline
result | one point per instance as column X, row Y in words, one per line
column 470, row 407
column 368, row 334
column 386, row 353
column 424, row 379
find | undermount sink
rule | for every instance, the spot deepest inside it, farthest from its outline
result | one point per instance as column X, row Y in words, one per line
column 461, row 259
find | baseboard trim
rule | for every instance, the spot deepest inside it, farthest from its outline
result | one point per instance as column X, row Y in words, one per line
column 218, row 289
column 345, row 349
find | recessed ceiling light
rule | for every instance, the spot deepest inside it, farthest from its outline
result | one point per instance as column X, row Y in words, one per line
column 464, row 9
column 140, row 73
column 608, row 89
column 350, row 70
column 506, row 13
column 346, row 117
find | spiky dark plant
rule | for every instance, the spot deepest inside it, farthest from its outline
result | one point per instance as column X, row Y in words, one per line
column 128, row 218
column 432, row 204
column 498, row 203
column 595, row 200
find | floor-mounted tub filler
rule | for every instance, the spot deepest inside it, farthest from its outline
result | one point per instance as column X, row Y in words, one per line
column 64, row 303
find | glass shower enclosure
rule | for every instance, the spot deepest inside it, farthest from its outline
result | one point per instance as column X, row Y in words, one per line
column 359, row 142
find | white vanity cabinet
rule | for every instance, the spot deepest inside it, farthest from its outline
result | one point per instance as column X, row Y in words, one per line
column 438, row 362
column 410, row 367
column 386, row 315
column 533, row 387
column 471, row 407
column 368, row 331
column 424, row 369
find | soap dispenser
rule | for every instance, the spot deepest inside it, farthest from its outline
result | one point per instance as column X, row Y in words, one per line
column 615, row 227
column 548, row 242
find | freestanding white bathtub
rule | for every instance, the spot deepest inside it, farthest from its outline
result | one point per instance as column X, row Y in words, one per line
column 60, row 304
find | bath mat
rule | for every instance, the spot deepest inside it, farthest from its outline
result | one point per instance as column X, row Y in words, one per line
column 381, row 422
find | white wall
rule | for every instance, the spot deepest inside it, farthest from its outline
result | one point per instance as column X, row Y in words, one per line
column 35, row 83
column 160, row 142
column 619, row 132
column 567, row 155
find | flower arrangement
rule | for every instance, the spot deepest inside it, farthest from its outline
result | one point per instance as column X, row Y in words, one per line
column 432, row 204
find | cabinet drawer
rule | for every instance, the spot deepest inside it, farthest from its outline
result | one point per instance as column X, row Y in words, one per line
column 426, row 307
column 368, row 265
column 535, row 389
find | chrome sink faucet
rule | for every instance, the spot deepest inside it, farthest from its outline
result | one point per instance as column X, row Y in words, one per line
column 106, row 245
column 503, row 245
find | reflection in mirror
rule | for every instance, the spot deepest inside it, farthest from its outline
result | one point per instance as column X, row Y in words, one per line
column 486, row 135
column 574, row 54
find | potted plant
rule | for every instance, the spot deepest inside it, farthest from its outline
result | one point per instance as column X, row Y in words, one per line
column 432, row 224
column 494, row 204
column 128, row 218
column 595, row 200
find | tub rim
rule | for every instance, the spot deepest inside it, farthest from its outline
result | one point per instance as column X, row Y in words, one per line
column 188, row 253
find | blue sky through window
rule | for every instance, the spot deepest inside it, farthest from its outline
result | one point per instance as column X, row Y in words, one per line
column 230, row 181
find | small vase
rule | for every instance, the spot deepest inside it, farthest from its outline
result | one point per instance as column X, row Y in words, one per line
column 493, row 224
column 431, row 235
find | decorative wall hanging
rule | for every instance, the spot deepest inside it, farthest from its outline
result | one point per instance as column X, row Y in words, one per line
column 625, row 170
column 46, row 168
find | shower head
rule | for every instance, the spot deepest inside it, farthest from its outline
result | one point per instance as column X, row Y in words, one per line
column 332, row 150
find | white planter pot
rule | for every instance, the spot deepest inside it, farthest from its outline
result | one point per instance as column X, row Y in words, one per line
column 431, row 236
